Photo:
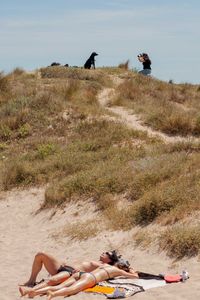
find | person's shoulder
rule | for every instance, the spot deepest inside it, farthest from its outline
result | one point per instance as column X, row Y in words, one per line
column 95, row 263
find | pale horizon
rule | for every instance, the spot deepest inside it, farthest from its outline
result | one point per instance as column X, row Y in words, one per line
column 38, row 33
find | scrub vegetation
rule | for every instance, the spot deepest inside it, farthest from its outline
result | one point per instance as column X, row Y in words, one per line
column 54, row 132
column 170, row 108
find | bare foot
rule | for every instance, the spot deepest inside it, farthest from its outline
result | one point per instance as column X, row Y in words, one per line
column 23, row 291
column 50, row 295
column 31, row 294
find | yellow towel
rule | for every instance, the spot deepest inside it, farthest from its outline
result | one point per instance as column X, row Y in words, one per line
column 100, row 289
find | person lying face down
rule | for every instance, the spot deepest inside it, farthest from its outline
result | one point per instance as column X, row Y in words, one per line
column 61, row 271
column 83, row 280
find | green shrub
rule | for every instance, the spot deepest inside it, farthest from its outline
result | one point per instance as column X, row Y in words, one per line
column 44, row 150
column 24, row 130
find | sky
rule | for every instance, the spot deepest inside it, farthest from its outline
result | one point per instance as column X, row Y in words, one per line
column 35, row 33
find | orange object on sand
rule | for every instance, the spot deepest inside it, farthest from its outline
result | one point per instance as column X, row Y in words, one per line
column 100, row 289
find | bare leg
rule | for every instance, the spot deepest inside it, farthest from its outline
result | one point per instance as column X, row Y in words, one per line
column 41, row 259
column 78, row 286
column 54, row 280
column 32, row 293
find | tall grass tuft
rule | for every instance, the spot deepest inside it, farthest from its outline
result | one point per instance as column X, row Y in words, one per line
column 124, row 65
column 181, row 241
column 17, row 173
column 4, row 83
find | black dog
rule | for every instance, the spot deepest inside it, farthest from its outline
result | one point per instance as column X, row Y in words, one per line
column 91, row 61
column 55, row 64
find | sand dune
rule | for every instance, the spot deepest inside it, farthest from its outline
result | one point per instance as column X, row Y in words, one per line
column 23, row 232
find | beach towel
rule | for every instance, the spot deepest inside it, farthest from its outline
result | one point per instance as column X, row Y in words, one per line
column 115, row 291
column 106, row 290
column 144, row 283
column 123, row 287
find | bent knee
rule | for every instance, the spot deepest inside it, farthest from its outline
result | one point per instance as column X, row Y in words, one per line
column 40, row 254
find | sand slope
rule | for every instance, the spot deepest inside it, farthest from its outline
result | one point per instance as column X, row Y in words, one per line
column 23, row 233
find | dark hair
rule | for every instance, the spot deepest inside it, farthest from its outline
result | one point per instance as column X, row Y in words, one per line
column 114, row 257
column 123, row 264
column 146, row 57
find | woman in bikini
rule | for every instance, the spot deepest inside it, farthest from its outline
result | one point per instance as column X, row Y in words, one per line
column 60, row 271
column 83, row 280
column 63, row 272
column 55, row 266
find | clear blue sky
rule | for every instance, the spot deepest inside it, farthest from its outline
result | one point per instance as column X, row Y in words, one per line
column 34, row 33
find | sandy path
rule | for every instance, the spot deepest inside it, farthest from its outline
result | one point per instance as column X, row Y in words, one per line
column 127, row 117
column 23, row 233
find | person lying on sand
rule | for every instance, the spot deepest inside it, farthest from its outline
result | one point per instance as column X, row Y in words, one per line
column 60, row 271
column 83, row 280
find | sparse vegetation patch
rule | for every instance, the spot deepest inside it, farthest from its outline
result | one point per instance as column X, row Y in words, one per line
column 53, row 131
column 181, row 241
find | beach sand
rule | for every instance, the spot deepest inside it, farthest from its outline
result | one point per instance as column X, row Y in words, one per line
column 24, row 231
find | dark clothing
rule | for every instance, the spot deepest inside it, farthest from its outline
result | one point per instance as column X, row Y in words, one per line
column 142, row 275
column 147, row 64
column 68, row 269
column 91, row 61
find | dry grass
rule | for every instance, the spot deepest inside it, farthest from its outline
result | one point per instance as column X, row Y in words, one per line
column 98, row 165
column 173, row 109
column 181, row 241
column 80, row 231
column 125, row 65
column 17, row 173
column 75, row 73
column 53, row 130
column 4, row 83
column 143, row 238
column 172, row 196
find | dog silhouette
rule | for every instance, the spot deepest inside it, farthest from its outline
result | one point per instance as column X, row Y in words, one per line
column 91, row 61
column 55, row 64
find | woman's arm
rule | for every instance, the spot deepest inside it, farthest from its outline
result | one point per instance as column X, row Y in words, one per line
column 131, row 274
